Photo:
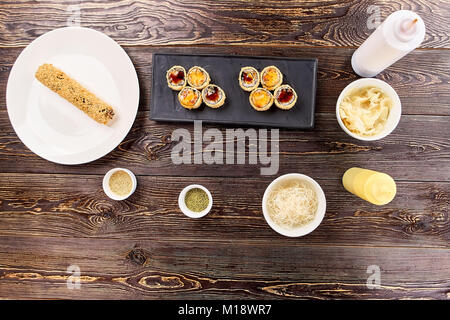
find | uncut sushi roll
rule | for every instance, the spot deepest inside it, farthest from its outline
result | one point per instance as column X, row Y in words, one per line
column 71, row 90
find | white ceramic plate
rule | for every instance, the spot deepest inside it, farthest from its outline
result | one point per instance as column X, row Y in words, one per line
column 52, row 127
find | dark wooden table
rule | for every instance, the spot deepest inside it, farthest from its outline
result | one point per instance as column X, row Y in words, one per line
column 54, row 216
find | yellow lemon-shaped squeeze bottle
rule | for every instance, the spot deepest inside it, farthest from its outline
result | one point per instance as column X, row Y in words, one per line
column 373, row 186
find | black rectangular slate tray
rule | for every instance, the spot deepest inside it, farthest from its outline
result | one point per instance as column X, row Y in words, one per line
column 224, row 71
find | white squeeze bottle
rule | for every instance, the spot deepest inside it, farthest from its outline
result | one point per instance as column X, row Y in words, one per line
column 400, row 33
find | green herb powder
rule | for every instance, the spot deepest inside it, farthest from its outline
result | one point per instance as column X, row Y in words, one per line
column 196, row 200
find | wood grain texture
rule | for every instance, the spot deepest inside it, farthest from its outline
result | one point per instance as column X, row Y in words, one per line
column 417, row 150
column 424, row 70
column 187, row 22
column 162, row 269
column 75, row 206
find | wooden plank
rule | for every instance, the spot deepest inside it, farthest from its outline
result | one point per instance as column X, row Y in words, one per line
column 54, row 216
column 310, row 23
column 417, row 150
column 75, row 206
column 421, row 79
column 159, row 269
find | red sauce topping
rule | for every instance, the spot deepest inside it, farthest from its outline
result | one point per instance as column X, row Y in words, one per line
column 247, row 77
column 177, row 76
column 285, row 95
column 212, row 94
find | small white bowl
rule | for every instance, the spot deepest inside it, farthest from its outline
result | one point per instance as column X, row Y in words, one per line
column 107, row 189
column 321, row 208
column 184, row 208
column 394, row 114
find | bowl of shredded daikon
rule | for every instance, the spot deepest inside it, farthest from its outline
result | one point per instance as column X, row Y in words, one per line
column 294, row 205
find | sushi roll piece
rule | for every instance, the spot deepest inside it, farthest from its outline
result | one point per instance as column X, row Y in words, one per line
column 213, row 96
column 261, row 99
column 271, row 78
column 176, row 78
column 285, row 97
column 198, row 78
column 190, row 98
column 248, row 78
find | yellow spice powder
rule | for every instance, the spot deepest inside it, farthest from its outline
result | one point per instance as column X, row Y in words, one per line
column 120, row 183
